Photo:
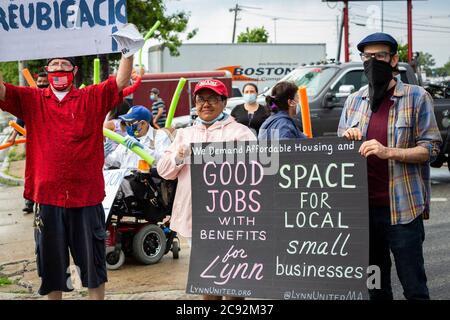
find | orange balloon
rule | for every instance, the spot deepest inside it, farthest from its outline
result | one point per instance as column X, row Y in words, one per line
column 306, row 118
column 9, row 144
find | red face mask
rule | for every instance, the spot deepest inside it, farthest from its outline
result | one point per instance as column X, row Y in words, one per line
column 60, row 80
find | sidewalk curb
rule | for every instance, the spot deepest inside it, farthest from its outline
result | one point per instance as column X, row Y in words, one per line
column 7, row 179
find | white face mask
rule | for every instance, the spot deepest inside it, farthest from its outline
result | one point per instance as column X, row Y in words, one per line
column 250, row 98
column 220, row 117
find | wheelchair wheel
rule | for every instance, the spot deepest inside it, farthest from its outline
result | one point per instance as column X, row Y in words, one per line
column 149, row 244
column 114, row 260
column 175, row 249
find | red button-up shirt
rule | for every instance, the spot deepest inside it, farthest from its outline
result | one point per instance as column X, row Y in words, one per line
column 64, row 141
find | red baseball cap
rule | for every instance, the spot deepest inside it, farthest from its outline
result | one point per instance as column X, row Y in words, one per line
column 213, row 84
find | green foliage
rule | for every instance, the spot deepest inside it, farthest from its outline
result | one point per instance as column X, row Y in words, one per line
column 443, row 71
column 425, row 59
column 10, row 72
column 14, row 155
column 254, row 35
column 5, row 282
column 144, row 14
column 403, row 52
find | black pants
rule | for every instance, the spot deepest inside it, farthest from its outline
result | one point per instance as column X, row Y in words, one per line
column 405, row 241
column 80, row 230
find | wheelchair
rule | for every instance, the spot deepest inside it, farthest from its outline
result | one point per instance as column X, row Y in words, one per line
column 139, row 226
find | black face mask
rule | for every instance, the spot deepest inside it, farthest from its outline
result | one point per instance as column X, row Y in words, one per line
column 42, row 86
column 379, row 74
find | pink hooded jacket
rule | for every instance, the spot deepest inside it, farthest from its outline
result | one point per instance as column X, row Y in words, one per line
column 225, row 130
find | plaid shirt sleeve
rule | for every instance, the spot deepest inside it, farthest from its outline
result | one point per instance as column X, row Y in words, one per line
column 427, row 132
column 342, row 127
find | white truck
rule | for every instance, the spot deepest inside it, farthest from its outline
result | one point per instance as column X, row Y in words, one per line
column 260, row 63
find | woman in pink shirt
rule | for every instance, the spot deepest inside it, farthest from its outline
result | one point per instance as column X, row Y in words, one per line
column 214, row 126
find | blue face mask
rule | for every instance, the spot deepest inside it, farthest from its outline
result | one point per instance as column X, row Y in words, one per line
column 132, row 130
column 152, row 97
column 221, row 116
column 297, row 109
column 250, row 98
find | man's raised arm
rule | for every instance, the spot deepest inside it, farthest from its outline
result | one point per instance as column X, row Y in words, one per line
column 124, row 72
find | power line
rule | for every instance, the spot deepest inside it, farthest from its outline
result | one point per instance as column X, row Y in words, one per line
column 447, row 16
column 287, row 18
column 402, row 22
column 362, row 24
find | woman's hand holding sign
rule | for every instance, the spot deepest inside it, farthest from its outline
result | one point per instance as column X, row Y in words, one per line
column 183, row 152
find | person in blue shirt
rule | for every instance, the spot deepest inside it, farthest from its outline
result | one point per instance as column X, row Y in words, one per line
column 283, row 103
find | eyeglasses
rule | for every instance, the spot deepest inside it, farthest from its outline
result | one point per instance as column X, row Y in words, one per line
column 212, row 100
column 377, row 55
column 66, row 66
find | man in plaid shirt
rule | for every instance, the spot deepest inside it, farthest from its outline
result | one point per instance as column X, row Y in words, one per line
column 402, row 138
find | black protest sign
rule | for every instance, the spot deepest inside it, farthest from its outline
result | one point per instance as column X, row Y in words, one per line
column 287, row 220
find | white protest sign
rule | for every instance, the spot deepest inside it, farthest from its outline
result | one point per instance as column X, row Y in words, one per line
column 113, row 179
column 39, row 29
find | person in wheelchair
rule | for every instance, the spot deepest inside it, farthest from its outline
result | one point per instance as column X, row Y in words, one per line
column 135, row 186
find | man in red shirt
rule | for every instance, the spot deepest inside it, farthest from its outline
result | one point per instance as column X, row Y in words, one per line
column 63, row 171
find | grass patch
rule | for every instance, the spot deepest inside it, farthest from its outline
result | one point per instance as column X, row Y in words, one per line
column 5, row 282
column 8, row 183
column 12, row 175
column 23, row 291
column 84, row 293
column 14, row 155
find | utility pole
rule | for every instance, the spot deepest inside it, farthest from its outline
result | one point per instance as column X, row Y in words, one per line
column 20, row 67
column 235, row 9
column 346, row 32
column 341, row 31
column 410, row 40
column 337, row 27
column 275, row 29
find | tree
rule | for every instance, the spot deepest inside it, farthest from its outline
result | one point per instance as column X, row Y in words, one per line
column 253, row 35
column 447, row 67
column 144, row 14
column 10, row 70
column 424, row 59
column 440, row 72
column 402, row 52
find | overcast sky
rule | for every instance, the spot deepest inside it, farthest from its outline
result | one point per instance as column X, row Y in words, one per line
column 314, row 21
